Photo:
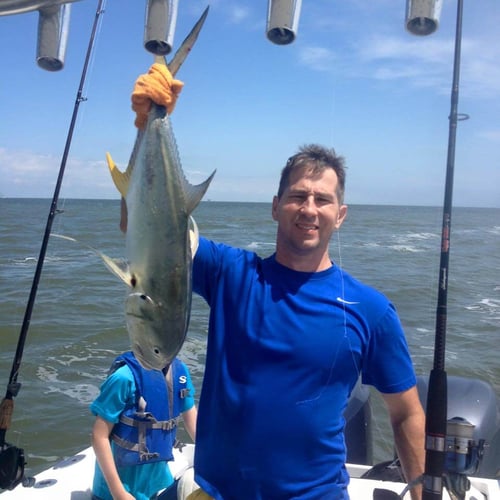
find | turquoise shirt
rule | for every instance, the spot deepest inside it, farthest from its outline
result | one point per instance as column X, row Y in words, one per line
column 143, row 481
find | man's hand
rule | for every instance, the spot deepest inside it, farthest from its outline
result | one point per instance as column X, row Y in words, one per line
column 157, row 85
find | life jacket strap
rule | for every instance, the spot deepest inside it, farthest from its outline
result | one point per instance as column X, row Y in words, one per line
column 144, row 453
column 151, row 423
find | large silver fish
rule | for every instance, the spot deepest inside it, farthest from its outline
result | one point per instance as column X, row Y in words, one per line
column 161, row 240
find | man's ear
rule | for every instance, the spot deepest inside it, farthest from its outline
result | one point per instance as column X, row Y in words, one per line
column 341, row 216
column 274, row 210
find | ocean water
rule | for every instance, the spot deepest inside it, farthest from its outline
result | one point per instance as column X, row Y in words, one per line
column 77, row 325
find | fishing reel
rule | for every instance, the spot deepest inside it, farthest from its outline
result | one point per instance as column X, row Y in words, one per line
column 463, row 456
column 11, row 466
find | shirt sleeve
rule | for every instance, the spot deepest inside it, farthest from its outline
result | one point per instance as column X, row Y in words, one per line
column 117, row 392
column 387, row 364
column 188, row 402
column 204, row 267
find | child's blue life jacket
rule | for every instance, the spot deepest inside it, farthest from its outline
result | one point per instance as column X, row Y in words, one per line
column 146, row 431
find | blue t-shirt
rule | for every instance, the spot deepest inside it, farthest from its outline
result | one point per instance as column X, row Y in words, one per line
column 285, row 349
column 143, row 481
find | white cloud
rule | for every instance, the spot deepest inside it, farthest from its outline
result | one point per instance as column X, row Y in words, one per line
column 415, row 49
column 29, row 174
column 237, row 13
column 23, row 173
column 421, row 62
column 490, row 135
column 317, row 58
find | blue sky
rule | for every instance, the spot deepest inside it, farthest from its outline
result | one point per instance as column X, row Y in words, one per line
column 354, row 80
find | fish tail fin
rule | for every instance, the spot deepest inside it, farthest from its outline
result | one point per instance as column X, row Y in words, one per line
column 186, row 45
column 194, row 194
column 120, row 179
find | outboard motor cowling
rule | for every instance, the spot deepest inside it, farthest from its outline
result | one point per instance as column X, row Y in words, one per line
column 473, row 423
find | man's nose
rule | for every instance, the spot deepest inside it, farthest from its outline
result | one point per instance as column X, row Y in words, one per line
column 309, row 205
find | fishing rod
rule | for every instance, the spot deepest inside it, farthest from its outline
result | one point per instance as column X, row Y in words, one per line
column 12, row 458
column 437, row 396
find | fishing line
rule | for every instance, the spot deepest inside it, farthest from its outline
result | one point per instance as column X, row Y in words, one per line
column 384, row 441
column 12, row 458
column 92, row 55
column 342, row 296
column 81, row 117
column 331, row 372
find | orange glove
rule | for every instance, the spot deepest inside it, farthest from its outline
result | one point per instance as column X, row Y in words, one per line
column 159, row 86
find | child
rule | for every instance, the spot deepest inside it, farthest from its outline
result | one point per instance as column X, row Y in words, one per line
column 137, row 412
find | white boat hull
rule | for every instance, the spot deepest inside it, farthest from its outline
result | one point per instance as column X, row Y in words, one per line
column 71, row 479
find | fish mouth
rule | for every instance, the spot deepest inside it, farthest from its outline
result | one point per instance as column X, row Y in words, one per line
column 141, row 306
column 137, row 315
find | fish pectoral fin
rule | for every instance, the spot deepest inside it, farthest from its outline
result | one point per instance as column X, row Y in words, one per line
column 120, row 179
column 194, row 236
column 194, row 194
column 119, row 267
column 69, row 238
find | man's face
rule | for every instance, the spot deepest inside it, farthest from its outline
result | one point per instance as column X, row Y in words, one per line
column 308, row 213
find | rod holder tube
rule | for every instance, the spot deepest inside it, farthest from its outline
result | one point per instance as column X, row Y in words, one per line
column 159, row 31
column 422, row 16
column 283, row 21
column 53, row 29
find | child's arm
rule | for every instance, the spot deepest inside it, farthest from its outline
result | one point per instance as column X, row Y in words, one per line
column 189, row 418
column 102, row 448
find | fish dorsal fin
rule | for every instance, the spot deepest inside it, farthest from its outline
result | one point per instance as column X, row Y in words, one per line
column 194, row 194
column 121, row 179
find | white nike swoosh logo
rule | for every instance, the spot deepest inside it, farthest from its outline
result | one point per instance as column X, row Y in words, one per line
column 340, row 299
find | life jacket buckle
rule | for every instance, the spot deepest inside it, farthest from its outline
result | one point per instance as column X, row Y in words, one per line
column 145, row 456
column 146, row 415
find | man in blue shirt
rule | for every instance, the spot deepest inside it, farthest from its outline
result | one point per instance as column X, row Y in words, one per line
column 289, row 336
